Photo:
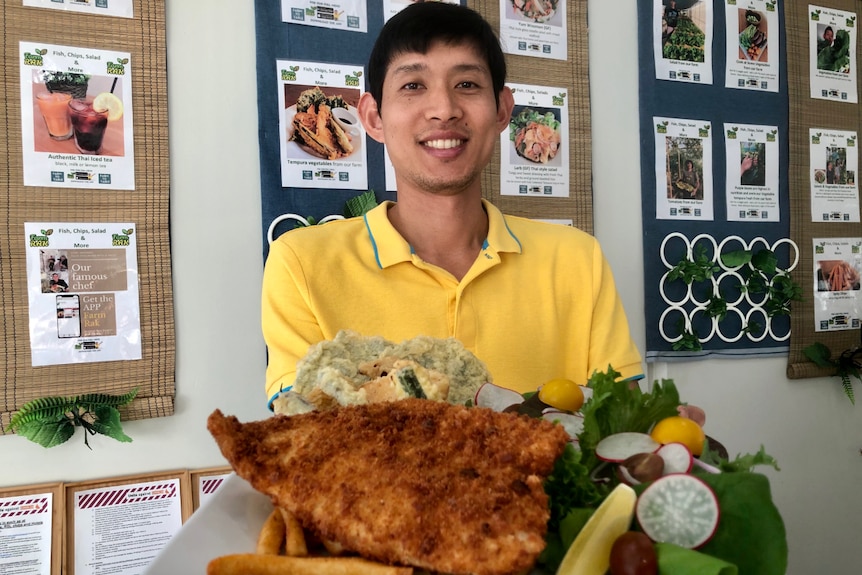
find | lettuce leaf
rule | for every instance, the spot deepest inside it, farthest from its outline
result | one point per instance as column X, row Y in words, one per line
column 751, row 533
column 619, row 405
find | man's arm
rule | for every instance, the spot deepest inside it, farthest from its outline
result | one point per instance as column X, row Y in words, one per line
column 287, row 320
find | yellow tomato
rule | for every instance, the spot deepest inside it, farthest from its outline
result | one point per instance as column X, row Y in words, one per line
column 563, row 394
column 678, row 429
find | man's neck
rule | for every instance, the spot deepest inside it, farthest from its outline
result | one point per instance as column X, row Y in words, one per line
column 445, row 231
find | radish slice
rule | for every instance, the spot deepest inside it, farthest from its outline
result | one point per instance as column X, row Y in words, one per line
column 677, row 458
column 496, row 397
column 573, row 423
column 620, row 446
column 679, row 509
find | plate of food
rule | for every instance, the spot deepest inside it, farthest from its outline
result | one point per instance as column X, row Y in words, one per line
column 535, row 136
column 535, row 10
column 752, row 40
column 322, row 127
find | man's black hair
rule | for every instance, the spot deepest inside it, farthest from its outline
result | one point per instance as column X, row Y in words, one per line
column 419, row 25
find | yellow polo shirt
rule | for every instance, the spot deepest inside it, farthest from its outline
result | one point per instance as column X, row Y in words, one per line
column 539, row 302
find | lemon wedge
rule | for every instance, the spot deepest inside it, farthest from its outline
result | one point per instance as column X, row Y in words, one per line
column 590, row 553
column 107, row 102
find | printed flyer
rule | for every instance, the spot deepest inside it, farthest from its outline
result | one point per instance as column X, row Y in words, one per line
column 837, row 265
column 752, row 28
column 534, row 28
column 534, row 151
column 121, row 8
column 752, row 172
column 120, row 529
column 82, row 282
column 393, row 7
column 834, row 163
column 25, row 534
column 337, row 14
column 682, row 40
column 322, row 142
column 683, row 169
column 832, row 41
column 76, row 117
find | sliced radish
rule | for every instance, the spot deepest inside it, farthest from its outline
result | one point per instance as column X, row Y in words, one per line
column 496, row 397
column 573, row 423
column 679, row 509
column 677, row 458
column 620, row 446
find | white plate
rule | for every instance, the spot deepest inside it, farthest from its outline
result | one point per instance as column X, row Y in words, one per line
column 349, row 119
column 229, row 522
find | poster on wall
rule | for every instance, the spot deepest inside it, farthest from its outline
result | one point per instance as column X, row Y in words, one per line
column 82, row 283
column 321, row 140
column 752, row 27
column 832, row 42
column 682, row 40
column 834, row 165
column 393, row 7
column 389, row 172
column 837, row 268
column 683, row 169
column 534, row 28
column 752, row 172
column 534, row 150
column 121, row 8
column 336, row 14
column 26, row 534
column 119, row 529
column 76, row 117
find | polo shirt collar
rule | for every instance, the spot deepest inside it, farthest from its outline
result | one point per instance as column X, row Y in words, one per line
column 391, row 248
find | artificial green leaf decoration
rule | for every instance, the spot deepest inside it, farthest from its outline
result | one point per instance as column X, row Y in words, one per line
column 358, row 205
column 847, row 365
column 47, row 433
column 108, row 423
column 51, row 421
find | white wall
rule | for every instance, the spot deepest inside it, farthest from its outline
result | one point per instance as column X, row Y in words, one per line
column 808, row 425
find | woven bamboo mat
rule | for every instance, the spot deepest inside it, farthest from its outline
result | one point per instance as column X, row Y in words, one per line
column 806, row 113
column 147, row 206
column 573, row 73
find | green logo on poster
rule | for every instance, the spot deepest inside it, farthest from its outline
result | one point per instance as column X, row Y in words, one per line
column 37, row 241
column 35, row 59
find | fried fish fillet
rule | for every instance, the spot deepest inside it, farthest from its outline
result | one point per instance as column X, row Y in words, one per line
column 415, row 482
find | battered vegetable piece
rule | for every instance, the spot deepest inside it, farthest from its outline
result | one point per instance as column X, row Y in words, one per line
column 412, row 482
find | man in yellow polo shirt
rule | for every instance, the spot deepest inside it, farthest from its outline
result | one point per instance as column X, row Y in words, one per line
column 534, row 301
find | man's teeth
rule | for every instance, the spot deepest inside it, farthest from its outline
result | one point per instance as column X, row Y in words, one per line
column 443, row 144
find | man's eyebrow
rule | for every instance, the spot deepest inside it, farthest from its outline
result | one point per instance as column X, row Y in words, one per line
column 419, row 67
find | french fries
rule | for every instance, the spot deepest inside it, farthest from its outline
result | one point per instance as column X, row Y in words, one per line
column 294, row 539
column 254, row 564
column 272, row 534
column 282, row 532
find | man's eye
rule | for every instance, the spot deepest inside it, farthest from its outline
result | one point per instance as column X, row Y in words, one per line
column 411, row 86
column 467, row 84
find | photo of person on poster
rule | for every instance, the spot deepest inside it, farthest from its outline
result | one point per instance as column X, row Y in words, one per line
column 684, row 168
column 753, row 164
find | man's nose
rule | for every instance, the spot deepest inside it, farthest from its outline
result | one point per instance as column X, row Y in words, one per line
column 444, row 104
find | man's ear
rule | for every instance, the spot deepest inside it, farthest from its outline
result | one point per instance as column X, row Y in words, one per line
column 504, row 108
column 369, row 115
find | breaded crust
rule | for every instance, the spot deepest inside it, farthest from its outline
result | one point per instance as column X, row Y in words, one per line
column 415, row 482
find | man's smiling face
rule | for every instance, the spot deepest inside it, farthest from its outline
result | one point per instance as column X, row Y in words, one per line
column 439, row 118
